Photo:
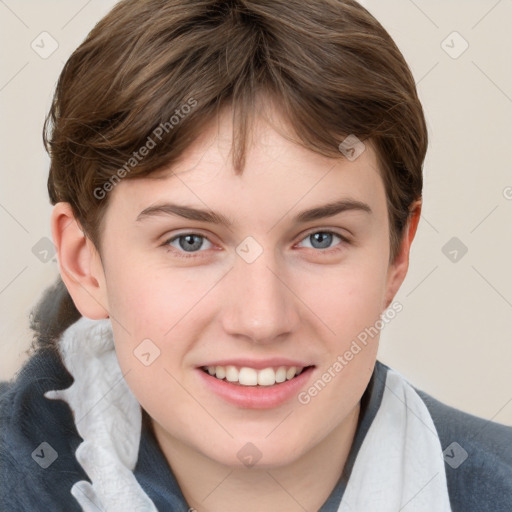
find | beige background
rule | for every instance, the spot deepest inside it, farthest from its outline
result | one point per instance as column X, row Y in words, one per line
column 454, row 336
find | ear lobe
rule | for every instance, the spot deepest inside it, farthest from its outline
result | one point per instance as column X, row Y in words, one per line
column 398, row 268
column 79, row 263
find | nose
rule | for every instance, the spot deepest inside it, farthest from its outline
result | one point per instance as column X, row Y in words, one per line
column 261, row 307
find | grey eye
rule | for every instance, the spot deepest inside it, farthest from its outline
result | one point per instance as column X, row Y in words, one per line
column 188, row 242
column 321, row 239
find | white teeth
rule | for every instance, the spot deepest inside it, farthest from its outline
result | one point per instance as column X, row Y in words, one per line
column 290, row 373
column 266, row 377
column 231, row 374
column 281, row 374
column 220, row 372
column 247, row 377
column 251, row 377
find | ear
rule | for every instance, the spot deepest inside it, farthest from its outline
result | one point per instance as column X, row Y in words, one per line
column 398, row 268
column 79, row 263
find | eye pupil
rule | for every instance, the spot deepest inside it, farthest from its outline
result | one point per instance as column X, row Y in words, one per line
column 190, row 243
column 323, row 238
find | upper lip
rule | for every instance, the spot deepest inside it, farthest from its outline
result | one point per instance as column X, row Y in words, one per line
column 258, row 364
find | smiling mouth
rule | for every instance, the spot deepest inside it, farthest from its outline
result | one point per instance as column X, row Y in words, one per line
column 245, row 376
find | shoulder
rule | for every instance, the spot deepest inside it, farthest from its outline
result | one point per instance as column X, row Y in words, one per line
column 38, row 439
column 478, row 458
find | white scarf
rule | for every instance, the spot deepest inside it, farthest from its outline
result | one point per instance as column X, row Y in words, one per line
column 399, row 466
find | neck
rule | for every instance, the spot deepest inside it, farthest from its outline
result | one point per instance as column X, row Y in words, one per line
column 303, row 484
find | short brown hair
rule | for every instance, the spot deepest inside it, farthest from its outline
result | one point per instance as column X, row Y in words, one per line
column 331, row 66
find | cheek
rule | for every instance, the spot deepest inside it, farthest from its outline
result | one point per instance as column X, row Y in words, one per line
column 344, row 299
column 147, row 301
column 166, row 306
column 140, row 314
column 349, row 306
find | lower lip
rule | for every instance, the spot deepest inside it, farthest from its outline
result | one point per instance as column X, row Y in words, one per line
column 257, row 397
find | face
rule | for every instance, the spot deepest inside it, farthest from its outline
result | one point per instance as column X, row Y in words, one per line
column 267, row 286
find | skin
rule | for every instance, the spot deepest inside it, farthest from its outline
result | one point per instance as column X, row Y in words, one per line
column 295, row 300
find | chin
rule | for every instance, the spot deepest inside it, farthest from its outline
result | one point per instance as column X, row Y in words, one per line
column 257, row 453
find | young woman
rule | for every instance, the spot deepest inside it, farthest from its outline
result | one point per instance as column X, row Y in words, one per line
column 237, row 185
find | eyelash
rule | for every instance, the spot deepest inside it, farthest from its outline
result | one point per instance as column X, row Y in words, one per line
column 182, row 254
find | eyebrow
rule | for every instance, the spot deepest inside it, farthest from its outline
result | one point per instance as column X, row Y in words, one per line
column 190, row 213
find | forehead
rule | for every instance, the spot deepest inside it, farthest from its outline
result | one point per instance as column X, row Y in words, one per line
column 279, row 174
